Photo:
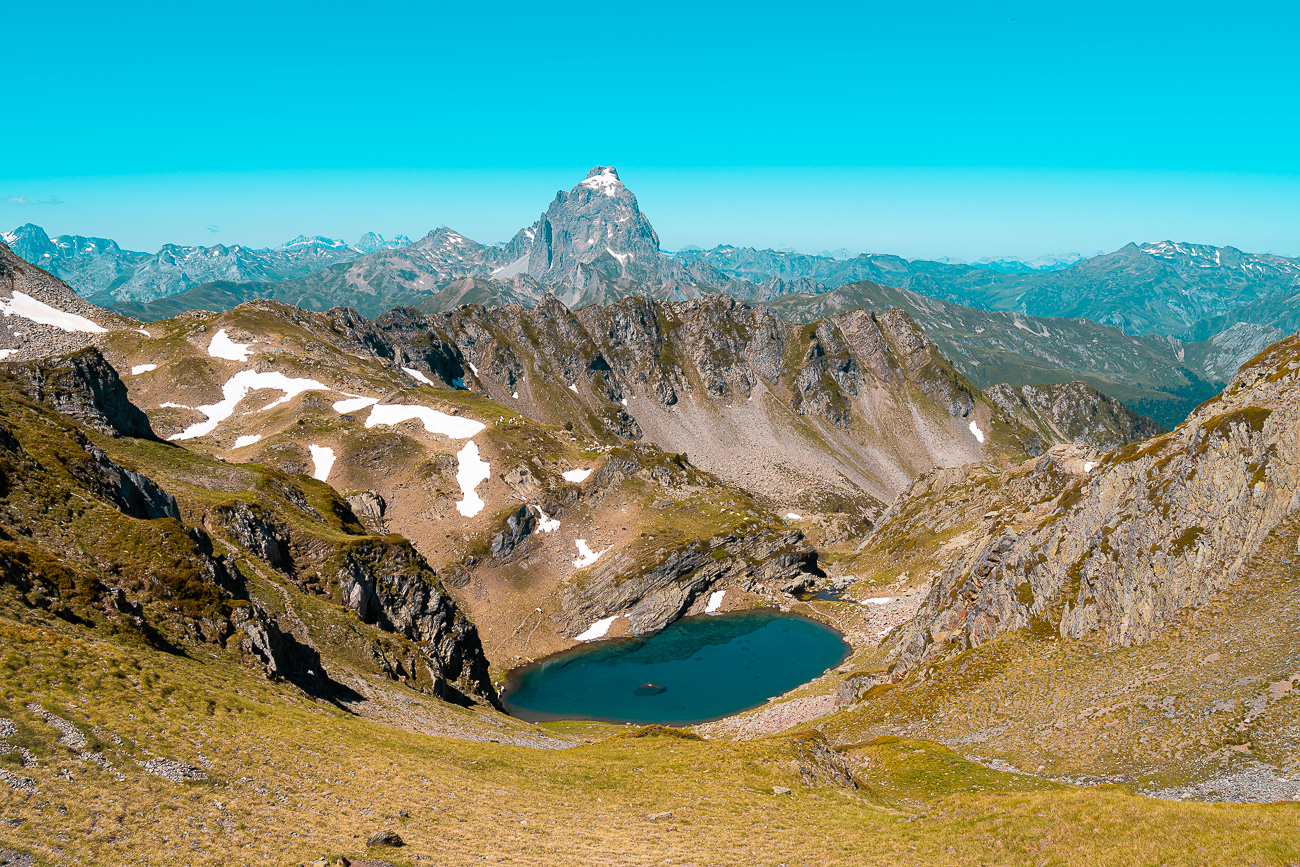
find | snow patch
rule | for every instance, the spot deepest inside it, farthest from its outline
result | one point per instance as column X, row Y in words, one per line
column 878, row 600
column 322, row 458
column 222, row 346
column 455, row 427
column 793, row 516
column 575, row 475
column 515, row 395
column 142, row 368
column 715, row 601
column 597, row 629
column 573, row 388
column 417, row 375
column 353, row 403
column 37, row 311
column 1088, row 466
column 247, row 440
column 167, row 404
column 975, row 429
column 471, row 470
column 145, row 333
column 237, row 388
column 586, row 556
column 5, row 353
column 473, row 368
column 547, row 524
column 606, row 182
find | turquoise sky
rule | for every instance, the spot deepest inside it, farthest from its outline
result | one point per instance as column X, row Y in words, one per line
column 925, row 129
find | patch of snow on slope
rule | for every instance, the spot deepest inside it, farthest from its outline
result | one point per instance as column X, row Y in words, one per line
column 975, row 429
column 586, row 556
column 606, row 182
column 792, row 516
column 37, row 311
column 353, row 403
column 715, row 601
column 878, row 600
column 515, row 395
column 5, row 353
column 142, row 368
column 169, row 405
column 236, row 389
column 322, row 458
column 573, row 388
column 471, row 470
column 247, row 440
column 1088, row 466
column 417, row 375
column 546, row 525
column 434, row 422
column 473, row 369
column 597, row 629
column 223, row 347
column 145, row 333
column 575, row 475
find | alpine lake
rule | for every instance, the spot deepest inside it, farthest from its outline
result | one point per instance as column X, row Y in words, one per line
column 694, row 670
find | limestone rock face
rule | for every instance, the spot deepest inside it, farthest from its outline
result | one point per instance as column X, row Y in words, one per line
column 281, row 656
column 387, row 583
column 1073, row 412
column 757, row 563
column 1153, row 528
column 83, row 386
column 255, row 532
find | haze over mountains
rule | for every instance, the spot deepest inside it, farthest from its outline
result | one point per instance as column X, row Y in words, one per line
column 1159, row 326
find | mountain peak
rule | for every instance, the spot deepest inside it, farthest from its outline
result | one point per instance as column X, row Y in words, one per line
column 604, row 179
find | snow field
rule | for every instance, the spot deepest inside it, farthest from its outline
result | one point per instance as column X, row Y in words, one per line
column 471, row 471
column 322, row 458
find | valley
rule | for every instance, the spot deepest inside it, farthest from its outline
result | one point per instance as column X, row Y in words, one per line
column 271, row 572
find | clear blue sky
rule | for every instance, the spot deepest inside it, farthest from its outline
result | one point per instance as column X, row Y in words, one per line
column 925, row 129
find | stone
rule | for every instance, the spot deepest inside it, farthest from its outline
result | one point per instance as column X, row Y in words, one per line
column 780, row 790
column 385, row 838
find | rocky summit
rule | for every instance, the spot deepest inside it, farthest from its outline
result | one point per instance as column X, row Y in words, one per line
column 271, row 571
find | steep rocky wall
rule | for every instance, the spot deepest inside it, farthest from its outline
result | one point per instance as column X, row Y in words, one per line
column 1154, row 528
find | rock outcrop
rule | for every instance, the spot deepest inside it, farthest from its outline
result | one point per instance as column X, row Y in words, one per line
column 1154, row 528
column 85, row 387
column 765, row 564
column 387, row 583
column 1073, row 412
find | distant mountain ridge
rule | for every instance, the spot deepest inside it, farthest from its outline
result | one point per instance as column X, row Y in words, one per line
column 101, row 271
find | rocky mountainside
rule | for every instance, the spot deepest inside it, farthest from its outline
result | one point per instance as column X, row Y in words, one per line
column 1155, row 376
column 42, row 315
column 1150, row 530
column 1189, row 291
column 855, row 405
column 101, row 271
column 1073, row 412
column 107, row 527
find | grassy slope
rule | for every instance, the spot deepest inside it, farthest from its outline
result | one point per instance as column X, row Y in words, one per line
column 291, row 780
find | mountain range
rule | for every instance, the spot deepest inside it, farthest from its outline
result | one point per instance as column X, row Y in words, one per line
column 270, row 567
column 1159, row 326
column 103, row 272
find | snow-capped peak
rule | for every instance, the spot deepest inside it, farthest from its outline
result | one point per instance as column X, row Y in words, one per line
column 303, row 241
column 603, row 178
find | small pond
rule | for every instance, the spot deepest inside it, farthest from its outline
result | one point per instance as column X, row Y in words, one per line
column 695, row 670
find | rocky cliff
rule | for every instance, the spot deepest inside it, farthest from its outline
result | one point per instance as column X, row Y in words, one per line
column 1149, row 530
column 1073, row 412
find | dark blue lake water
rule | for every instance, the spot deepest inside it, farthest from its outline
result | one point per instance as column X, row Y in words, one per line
column 695, row 670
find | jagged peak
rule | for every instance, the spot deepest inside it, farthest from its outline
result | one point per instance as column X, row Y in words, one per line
column 603, row 179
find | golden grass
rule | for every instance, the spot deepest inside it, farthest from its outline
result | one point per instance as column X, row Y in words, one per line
column 292, row 780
